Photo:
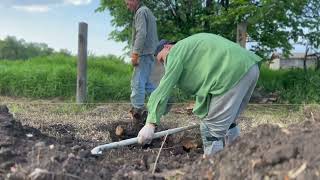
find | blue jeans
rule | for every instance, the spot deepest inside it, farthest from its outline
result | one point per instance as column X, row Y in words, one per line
column 140, row 82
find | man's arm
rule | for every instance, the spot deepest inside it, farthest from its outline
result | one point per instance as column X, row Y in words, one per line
column 159, row 98
column 157, row 103
column 141, row 32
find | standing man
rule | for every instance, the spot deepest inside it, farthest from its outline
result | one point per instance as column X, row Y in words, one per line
column 144, row 42
column 219, row 73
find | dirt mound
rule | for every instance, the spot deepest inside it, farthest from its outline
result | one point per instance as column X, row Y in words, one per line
column 26, row 152
column 266, row 152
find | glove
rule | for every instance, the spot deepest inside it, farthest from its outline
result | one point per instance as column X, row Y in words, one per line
column 146, row 134
column 135, row 59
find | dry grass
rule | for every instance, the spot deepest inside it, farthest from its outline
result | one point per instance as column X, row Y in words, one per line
column 86, row 118
column 281, row 115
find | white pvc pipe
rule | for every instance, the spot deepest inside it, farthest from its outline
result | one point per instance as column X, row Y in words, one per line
column 99, row 149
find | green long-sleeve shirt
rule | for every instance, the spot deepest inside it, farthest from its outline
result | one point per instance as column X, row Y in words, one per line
column 203, row 65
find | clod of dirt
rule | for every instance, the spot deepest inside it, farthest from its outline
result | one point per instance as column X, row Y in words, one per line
column 6, row 154
column 189, row 108
column 4, row 109
column 312, row 113
column 189, row 143
column 119, row 131
column 84, row 154
column 280, row 154
column 76, row 148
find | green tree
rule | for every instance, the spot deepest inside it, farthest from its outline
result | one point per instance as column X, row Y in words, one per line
column 272, row 24
column 65, row 52
column 11, row 48
column 310, row 36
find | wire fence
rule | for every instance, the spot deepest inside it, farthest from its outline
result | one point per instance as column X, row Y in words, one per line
column 8, row 100
column 97, row 121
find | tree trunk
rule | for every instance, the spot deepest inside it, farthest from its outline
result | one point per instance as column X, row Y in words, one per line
column 207, row 8
column 242, row 34
column 305, row 59
column 317, row 63
column 208, row 3
column 225, row 3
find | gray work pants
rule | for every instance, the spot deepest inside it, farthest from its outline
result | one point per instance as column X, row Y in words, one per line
column 224, row 109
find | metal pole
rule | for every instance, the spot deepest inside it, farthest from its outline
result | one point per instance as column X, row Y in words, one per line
column 99, row 149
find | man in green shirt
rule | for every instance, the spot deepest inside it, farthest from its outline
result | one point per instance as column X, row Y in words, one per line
column 219, row 73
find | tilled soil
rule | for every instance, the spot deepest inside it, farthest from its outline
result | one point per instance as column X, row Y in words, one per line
column 266, row 152
column 25, row 152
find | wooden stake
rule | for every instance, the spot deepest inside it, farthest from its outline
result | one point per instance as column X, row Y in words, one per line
column 82, row 63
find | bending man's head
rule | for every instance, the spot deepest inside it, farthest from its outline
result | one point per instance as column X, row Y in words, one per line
column 163, row 50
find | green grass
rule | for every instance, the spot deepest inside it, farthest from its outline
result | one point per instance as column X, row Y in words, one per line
column 55, row 76
column 293, row 86
column 109, row 80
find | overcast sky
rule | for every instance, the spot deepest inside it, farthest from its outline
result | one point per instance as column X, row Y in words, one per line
column 55, row 22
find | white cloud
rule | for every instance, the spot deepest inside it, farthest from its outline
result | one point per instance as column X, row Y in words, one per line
column 33, row 8
column 77, row 2
column 29, row 2
column 41, row 5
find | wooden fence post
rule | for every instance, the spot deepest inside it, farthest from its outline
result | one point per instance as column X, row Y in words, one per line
column 82, row 63
column 242, row 34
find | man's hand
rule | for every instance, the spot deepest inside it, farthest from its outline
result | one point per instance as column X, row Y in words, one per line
column 146, row 134
column 135, row 59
